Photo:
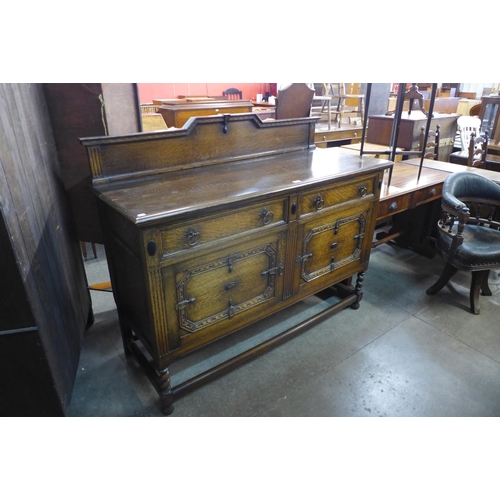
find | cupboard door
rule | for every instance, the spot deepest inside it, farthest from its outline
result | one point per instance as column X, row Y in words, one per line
column 217, row 291
column 334, row 246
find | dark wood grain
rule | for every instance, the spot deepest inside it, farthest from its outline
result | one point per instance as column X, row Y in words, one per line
column 45, row 264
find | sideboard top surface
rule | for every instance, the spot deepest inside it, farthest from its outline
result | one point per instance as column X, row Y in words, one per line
column 205, row 166
column 185, row 191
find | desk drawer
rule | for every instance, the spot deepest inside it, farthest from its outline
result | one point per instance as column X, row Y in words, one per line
column 428, row 194
column 199, row 232
column 394, row 205
column 314, row 201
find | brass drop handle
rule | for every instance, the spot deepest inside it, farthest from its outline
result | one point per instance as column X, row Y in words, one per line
column 362, row 190
column 318, row 202
column 266, row 216
column 192, row 236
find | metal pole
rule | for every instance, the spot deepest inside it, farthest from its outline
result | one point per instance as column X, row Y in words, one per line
column 427, row 128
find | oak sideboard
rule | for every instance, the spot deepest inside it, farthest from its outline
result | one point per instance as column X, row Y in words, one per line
column 216, row 225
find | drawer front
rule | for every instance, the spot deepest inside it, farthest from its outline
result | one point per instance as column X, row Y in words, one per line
column 394, row 205
column 218, row 292
column 332, row 244
column 314, row 201
column 428, row 194
column 200, row 232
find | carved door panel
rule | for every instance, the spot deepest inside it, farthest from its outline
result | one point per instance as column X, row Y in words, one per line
column 215, row 292
column 333, row 245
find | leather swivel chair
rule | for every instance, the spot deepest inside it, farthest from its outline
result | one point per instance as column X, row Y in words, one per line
column 468, row 235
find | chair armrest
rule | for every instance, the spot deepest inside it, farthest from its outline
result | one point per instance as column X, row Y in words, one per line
column 454, row 206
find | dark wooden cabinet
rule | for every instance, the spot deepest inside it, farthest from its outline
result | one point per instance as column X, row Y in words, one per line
column 380, row 128
column 229, row 220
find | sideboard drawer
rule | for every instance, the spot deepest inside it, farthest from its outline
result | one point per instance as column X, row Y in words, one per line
column 313, row 201
column 199, row 232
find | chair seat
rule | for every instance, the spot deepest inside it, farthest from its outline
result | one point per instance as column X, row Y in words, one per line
column 480, row 250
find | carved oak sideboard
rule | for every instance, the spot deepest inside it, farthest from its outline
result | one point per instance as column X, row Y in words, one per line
column 219, row 224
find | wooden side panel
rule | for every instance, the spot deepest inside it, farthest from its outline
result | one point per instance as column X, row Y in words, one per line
column 40, row 234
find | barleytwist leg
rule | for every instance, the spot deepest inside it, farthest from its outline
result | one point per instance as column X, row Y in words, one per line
column 358, row 290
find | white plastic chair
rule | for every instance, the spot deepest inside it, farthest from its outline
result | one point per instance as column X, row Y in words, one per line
column 467, row 125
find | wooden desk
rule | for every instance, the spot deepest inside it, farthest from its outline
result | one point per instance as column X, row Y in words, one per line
column 326, row 138
column 380, row 127
column 404, row 193
column 217, row 225
column 444, row 166
column 415, row 208
column 183, row 99
column 176, row 114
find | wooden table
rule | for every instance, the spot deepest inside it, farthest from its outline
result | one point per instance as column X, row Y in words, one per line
column 449, row 168
column 177, row 113
column 325, row 137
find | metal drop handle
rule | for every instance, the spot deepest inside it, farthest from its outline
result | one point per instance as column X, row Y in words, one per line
column 192, row 236
column 266, row 216
column 318, row 202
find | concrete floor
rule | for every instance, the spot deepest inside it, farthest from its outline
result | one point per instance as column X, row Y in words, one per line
column 402, row 353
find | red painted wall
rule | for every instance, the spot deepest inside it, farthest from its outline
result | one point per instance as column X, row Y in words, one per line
column 150, row 91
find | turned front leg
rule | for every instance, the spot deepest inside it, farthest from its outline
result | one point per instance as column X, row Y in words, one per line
column 358, row 290
column 165, row 392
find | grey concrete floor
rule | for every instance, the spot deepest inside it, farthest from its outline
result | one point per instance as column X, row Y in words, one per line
column 402, row 353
